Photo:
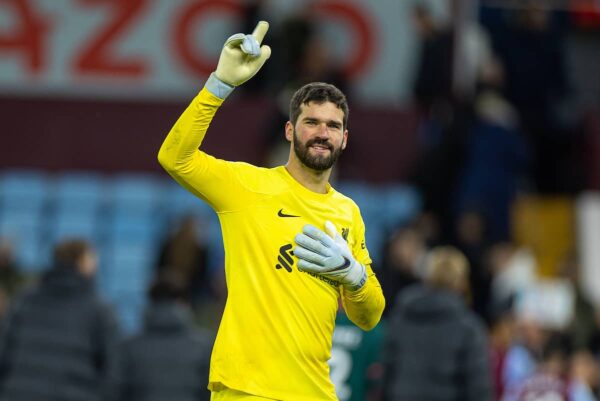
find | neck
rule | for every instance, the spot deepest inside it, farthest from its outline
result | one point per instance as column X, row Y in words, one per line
column 314, row 180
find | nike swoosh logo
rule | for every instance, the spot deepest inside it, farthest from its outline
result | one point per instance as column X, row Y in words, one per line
column 281, row 214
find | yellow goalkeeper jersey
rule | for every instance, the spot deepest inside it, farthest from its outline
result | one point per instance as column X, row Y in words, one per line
column 275, row 335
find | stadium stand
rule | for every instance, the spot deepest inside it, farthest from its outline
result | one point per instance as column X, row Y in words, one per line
column 127, row 216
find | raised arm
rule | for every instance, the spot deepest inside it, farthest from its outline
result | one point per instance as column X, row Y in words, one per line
column 241, row 58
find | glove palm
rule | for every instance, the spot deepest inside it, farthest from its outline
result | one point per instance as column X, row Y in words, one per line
column 328, row 254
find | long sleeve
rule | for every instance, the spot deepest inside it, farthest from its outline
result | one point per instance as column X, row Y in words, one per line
column 214, row 180
column 179, row 151
column 365, row 306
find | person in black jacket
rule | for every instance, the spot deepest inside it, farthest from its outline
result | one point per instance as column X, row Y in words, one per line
column 58, row 339
column 436, row 348
column 170, row 359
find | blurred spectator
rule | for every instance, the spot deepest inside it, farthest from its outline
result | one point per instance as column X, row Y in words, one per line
column 441, row 132
column 59, row 339
column 530, row 42
column 584, row 376
column 170, row 359
column 502, row 332
column 548, row 382
column 496, row 156
column 184, row 254
column 304, row 56
column 356, row 360
column 421, row 365
column 513, row 271
column 583, row 326
column 523, row 356
column 495, row 160
column 402, row 263
column 429, row 226
column 433, row 81
column 472, row 240
column 11, row 279
column 4, row 302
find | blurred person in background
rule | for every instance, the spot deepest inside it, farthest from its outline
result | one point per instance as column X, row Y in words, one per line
column 402, row 263
column 524, row 355
column 496, row 155
column 472, row 240
column 170, row 358
column 436, row 348
column 513, row 271
column 444, row 119
column 356, row 367
column 433, row 82
column 11, row 279
column 501, row 335
column 184, row 254
column 429, row 227
column 530, row 40
column 548, row 382
column 584, row 376
column 495, row 163
column 4, row 302
column 59, row 338
column 583, row 326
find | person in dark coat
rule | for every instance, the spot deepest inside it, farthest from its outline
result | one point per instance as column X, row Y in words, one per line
column 436, row 348
column 170, row 358
column 59, row 338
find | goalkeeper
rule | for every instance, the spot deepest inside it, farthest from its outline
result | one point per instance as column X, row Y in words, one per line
column 293, row 244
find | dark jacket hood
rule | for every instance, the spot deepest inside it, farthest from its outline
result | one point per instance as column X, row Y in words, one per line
column 425, row 303
column 66, row 280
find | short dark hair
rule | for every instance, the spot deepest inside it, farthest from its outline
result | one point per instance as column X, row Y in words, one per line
column 69, row 252
column 318, row 92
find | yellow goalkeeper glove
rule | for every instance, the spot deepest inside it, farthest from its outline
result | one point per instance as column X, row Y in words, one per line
column 241, row 58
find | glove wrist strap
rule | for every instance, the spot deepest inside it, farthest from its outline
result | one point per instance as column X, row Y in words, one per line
column 217, row 87
column 357, row 277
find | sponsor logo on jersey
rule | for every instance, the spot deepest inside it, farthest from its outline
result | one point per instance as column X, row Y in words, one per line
column 286, row 261
column 285, row 258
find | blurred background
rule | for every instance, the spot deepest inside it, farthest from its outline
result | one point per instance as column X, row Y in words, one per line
column 474, row 123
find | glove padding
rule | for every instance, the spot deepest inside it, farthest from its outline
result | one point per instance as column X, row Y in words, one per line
column 242, row 56
column 328, row 255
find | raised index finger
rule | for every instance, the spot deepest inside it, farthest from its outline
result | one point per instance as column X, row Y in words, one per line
column 260, row 31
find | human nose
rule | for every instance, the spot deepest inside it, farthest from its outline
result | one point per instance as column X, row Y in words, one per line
column 323, row 130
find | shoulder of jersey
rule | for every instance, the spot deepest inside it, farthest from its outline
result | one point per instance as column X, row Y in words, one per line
column 259, row 178
column 340, row 197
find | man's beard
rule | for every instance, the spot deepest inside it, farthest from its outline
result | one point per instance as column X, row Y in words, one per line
column 316, row 162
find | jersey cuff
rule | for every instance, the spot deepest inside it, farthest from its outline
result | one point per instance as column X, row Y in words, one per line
column 217, row 87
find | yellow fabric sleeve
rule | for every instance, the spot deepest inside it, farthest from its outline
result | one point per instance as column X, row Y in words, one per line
column 365, row 306
column 216, row 181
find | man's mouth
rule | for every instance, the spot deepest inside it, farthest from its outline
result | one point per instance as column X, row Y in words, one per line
column 320, row 147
